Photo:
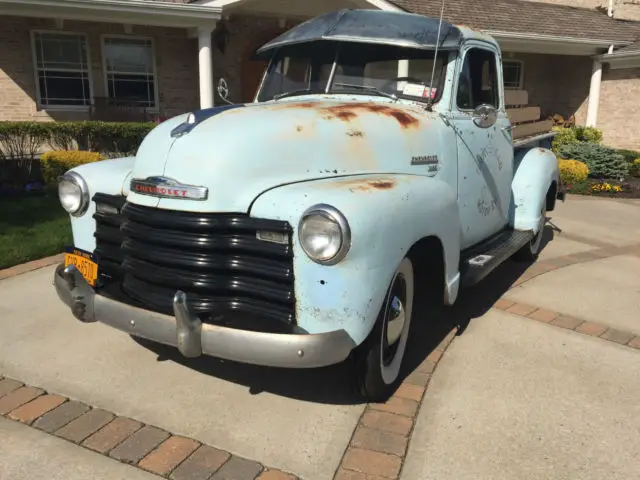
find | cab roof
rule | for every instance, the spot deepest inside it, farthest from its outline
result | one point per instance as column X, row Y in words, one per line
column 391, row 28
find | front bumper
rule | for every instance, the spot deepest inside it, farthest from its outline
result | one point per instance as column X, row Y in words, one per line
column 193, row 338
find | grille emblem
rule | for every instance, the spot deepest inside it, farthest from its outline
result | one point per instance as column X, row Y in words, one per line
column 168, row 188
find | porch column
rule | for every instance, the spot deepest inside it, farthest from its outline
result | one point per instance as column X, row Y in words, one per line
column 594, row 94
column 205, row 66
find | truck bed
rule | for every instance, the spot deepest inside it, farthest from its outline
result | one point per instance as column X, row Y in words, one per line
column 528, row 129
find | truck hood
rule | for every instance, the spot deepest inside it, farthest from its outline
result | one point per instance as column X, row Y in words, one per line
column 241, row 151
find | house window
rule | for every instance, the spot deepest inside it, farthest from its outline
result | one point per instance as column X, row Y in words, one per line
column 62, row 69
column 130, row 70
column 512, row 73
column 478, row 83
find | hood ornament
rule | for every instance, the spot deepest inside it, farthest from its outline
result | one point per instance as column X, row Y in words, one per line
column 165, row 187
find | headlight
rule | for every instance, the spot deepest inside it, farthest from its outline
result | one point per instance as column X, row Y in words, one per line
column 324, row 234
column 73, row 193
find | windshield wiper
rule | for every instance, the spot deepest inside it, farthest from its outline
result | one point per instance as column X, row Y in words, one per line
column 369, row 88
column 278, row 96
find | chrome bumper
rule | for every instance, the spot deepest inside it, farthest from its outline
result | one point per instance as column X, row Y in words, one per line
column 193, row 338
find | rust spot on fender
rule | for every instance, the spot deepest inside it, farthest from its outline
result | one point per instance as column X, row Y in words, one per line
column 299, row 128
column 364, row 184
column 355, row 133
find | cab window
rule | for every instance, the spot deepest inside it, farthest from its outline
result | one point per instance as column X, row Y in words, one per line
column 478, row 83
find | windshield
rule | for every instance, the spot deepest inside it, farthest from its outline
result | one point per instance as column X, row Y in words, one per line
column 363, row 69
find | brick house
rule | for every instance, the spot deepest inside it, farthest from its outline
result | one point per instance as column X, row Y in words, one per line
column 75, row 59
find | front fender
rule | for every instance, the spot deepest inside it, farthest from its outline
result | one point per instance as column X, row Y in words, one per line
column 106, row 176
column 536, row 170
column 387, row 215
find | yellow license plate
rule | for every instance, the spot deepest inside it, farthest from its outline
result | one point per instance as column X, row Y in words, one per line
column 84, row 263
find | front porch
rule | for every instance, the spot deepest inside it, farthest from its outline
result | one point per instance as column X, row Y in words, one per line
column 132, row 60
column 107, row 60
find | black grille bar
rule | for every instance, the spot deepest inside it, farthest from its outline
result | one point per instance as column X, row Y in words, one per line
column 216, row 258
column 108, row 235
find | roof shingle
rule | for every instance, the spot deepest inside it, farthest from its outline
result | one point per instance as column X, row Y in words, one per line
column 527, row 17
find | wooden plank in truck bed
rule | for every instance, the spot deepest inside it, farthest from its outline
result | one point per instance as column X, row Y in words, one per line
column 534, row 128
column 524, row 114
column 516, row 97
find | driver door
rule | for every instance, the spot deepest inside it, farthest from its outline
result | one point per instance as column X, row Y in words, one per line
column 485, row 153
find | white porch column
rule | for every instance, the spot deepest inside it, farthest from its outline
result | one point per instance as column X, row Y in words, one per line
column 403, row 68
column 594, row 94
column 205, row 66
column 403, row 71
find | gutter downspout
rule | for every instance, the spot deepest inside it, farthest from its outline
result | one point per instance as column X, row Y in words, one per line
column 594, row 91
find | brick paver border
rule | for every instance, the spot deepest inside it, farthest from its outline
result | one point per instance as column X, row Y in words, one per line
column 380, row 441
column 560, row 320
column 125, row 439
column 30, row 266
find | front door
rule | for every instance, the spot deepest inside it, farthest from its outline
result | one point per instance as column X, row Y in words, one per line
column 485, row 153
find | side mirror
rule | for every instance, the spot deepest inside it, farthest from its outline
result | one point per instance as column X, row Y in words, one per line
column 485, row 116
column 223, row 90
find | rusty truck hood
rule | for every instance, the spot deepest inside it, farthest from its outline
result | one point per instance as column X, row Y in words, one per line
column 239, row 152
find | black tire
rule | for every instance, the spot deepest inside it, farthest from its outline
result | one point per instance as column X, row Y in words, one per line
column 377, row 362
column 530, row 252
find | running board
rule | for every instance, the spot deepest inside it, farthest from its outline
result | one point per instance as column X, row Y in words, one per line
column 480, row 260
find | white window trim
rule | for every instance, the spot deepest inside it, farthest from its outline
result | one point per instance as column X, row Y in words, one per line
column 521, row 79
column 105, row 73
column 52, row 108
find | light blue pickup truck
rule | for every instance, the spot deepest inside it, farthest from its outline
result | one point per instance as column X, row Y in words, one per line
column 291, row 231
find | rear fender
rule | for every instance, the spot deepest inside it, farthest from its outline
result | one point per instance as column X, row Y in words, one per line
column 536, row 172
column 387, row 215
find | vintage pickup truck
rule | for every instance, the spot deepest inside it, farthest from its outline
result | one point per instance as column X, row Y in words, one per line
column 291, row 231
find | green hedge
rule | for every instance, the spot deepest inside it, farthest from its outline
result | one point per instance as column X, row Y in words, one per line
column 20, row 140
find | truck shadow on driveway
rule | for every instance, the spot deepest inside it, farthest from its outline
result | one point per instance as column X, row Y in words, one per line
column 330, row 385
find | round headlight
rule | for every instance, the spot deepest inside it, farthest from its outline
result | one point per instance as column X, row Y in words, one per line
column 73, row 193
column 324, row 234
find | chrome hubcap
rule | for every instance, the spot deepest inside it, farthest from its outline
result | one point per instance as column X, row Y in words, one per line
column 396, row 320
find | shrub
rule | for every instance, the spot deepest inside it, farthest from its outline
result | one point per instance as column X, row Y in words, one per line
column 603, row 162
column 629, row 155
column 635, row 168
column 55, row 162
column 575, row 134
column 565, row 136
column 572, row 171
column 588, row 134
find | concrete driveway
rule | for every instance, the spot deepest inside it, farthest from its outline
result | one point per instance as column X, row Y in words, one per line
column 519, row 393
column 552, row 392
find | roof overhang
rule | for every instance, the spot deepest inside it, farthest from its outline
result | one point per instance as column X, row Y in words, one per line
column 550, row 44
column 619, row 60
column 139, row 12
column 379, row 4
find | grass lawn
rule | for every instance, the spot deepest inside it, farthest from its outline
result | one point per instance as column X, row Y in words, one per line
column 32, row 227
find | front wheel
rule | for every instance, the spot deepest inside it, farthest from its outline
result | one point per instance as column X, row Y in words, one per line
column 378, row 360
column 531, row 250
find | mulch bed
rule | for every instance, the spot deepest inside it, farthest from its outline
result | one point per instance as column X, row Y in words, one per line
column 630, row 188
